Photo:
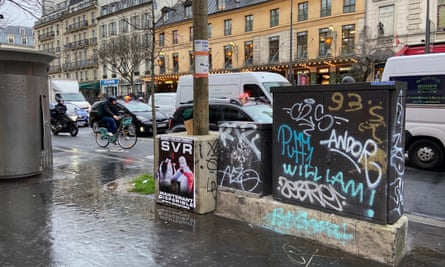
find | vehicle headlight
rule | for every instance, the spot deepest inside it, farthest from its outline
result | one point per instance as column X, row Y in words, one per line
column 73, row 117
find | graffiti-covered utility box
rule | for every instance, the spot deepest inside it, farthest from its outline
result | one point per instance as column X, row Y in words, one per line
column 340, row 148
column 244, row 161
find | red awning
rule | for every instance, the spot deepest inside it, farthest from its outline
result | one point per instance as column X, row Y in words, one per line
column 416, row 50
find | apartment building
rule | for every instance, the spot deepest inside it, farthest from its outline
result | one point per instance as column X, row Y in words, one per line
column 255, row 35
column 16, row 37
column 69, row 30
column 311, row 42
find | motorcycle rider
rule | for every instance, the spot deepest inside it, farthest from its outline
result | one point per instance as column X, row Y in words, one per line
column 111, row 113
column 60, row 110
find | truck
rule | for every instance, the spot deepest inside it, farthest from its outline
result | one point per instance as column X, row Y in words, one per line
column 68, row 90
column 425, row 106
column 233, row 86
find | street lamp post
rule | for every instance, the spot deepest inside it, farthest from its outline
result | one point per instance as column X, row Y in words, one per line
column 427, row 28
column 291, row 70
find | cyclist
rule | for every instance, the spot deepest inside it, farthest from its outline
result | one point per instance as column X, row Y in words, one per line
column 111, row 113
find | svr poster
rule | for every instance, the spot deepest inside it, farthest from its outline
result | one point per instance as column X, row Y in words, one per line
column 176, row 172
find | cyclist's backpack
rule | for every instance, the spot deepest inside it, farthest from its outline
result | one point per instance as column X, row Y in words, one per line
column 101, row 109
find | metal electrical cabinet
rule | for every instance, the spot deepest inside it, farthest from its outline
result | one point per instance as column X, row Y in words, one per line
column 340, row 148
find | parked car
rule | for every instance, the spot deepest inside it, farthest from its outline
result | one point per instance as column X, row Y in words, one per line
column 141, row 113
column 223, row 110
column 164, row 102
column 82, row 114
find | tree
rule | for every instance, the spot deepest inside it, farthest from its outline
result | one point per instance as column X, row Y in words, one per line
column 31, row 8
column 368, row 53
column 124, row 54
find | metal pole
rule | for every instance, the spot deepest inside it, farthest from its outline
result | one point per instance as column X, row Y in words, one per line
column 427, row 28
column 200, row 80
column 291, row 70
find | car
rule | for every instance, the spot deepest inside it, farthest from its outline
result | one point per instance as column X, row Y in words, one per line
column 164, row 102
column 141, row 113
column 223, row 110
column 82, row 114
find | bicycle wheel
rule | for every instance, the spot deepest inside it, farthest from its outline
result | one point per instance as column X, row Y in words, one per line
column 127, row 136
column 102, row 140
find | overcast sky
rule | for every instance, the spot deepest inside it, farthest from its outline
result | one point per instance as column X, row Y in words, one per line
column 14, row 16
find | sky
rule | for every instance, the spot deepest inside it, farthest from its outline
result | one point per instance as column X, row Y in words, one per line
column 14, row 16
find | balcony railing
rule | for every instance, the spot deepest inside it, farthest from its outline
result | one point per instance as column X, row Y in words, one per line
column 81, row 44
column 81, row 64
column 77, row 26
column 46, row 36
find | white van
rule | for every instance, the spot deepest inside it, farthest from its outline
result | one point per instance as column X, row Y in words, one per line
column 425, row 106
column 165, row 102
column 232, row 85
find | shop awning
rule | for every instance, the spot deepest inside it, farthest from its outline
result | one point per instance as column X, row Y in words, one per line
column 93, row 85
column 420, row 49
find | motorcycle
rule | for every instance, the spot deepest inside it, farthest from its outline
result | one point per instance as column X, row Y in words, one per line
column 62, row 123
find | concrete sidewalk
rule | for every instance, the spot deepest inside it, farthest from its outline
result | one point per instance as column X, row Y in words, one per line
column 73, row 216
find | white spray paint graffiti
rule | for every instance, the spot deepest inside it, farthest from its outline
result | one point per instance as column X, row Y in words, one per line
column 357, row 153
column 312, row 116
column 247, row 179
column 324, row 195
column 246, row 138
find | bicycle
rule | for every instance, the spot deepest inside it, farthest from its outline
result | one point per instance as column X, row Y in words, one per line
column 125, row 135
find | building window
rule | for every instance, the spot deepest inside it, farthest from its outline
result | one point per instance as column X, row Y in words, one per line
column 228, row 54
column 209, row 30
column 188, row 11
column 347, row 39
column 210, row 59
column 302, row 11
column 11, row 39
column 123, row 26
column 248, row 53
column 103, row 31
column 348, row 6
column 221, row 4
column 112, row 29
column 323, row 47
column 385, row 26
column 190, row 34
column 302, row 44
column 249, row 23
column 175, row 58
column 175, row 37
column 274, row 49
column 441, row 17
column 326, row 8
column 135, row 22
column 161, row 63
column 191, row 63
column 227, row 27
column 274, row 17
column 165, row 16
column 22, row 31
column 146, row 20
column 161, row 39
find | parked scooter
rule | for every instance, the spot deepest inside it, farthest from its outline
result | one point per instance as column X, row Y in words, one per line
column 61, row 122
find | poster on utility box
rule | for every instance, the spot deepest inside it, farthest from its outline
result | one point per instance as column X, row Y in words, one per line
column 176, row 172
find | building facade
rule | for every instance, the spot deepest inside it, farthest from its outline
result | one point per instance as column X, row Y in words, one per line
column 16, row 37
column 309, row 42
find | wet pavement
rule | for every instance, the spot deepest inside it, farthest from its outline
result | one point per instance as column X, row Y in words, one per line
column 65, row 217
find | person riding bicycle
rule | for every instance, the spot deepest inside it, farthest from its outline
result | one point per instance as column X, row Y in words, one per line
column 111, row 113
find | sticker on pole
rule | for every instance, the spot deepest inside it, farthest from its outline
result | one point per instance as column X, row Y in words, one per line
column 201, row 58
